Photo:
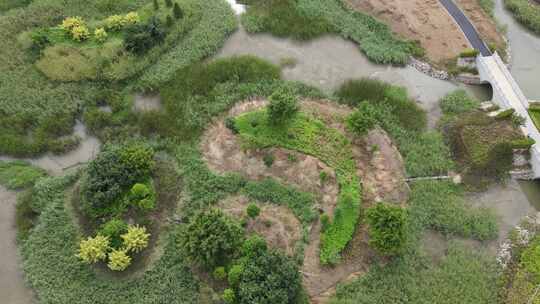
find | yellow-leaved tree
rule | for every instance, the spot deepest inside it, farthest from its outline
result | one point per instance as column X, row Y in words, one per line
column 135, row 239
column 94, row 249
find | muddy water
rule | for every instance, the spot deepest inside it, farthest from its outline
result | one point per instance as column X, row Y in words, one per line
column 12, row 287
column 328, row 61
column 525, row 50
column 56, row 164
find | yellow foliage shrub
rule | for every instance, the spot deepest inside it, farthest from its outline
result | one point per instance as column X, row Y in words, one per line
column 94, row 249
column 132, row 18
column 119, row 260
column 100, row 34
column 71, row 22
column 80, row 33
column 115, row 22
column 135, row 239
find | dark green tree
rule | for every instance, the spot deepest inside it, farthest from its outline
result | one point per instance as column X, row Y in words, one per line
column 168, row 3
column 178, row 13
column 211, row 238
column 282, row 108
column 156, row 5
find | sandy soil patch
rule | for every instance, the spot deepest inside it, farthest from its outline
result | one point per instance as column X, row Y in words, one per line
column 483, row 23
column 379, row 165
column 424, row 20
column 276, row 224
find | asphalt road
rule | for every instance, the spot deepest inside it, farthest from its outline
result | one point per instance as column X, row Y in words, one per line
column 466, row 26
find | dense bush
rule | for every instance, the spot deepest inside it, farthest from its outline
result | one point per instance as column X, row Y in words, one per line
column 362, row 120
column 526, row 13
column 387, row 228
column 253, row 210
column 282, row 107
column 114, row 170
column 142, row 37
column 268, row 276
column 211, row 238
column 113, row 229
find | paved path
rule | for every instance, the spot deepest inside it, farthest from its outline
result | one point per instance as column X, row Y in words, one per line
column 466, row 26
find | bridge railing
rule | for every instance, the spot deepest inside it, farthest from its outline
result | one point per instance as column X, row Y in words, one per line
column 524, row 100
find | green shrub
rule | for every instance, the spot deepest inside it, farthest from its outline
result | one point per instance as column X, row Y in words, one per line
column 387, row 228
column 119, row 260
column 362, row 120
column 234, row 274
column 282, row 107
column 212, row 238
column 140, row 38
column 135, row 239
column 107, row 177
column 269, row 277
column 253, row 246
column 268, row 159
column 113, row 229
column 219, row 273
column 155, row 4
column 168, row 3
column 228, row 296
column 469, row 53
column 253, row 210
column 354, row 92
column 94, row 249
column 525, row 143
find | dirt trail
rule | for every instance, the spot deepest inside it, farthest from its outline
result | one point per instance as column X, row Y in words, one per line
column 13, row 289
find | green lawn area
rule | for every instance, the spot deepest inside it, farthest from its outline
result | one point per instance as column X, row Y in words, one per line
column 310, row 136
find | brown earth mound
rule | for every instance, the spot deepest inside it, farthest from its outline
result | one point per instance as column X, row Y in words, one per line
column 379, row 165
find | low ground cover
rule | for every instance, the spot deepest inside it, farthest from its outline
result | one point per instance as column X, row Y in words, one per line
column 19, row 174
column 305, row 19
column 37, row 112
column 311, row 136
column 526, row 12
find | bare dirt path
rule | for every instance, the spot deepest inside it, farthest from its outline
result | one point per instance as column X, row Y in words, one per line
column 13, row 289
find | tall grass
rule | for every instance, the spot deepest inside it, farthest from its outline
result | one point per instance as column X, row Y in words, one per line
column 526, row 12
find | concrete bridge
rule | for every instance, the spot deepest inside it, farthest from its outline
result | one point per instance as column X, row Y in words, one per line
column 506, row 92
